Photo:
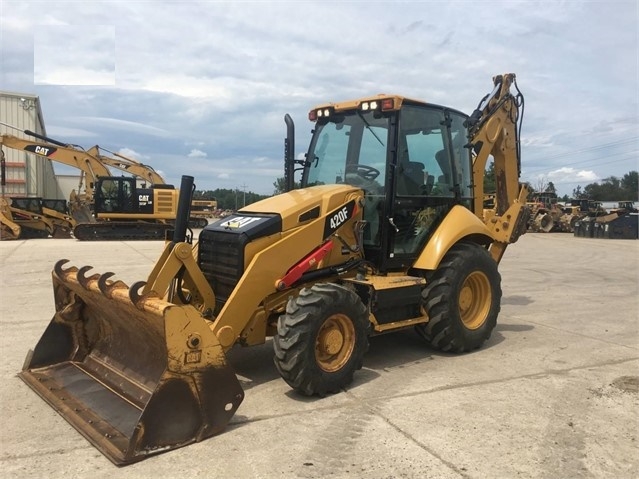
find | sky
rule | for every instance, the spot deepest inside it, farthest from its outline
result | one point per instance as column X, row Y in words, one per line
column 201, row 87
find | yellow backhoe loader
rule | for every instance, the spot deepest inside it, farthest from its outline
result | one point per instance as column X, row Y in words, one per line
column 386, row 232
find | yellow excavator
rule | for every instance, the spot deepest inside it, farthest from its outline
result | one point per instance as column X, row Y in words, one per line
column 107, row 207
column 200, row 209
column 386, row 232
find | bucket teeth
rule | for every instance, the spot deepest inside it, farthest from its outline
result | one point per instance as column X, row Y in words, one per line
column 62, row 273
column 107, row 287
column 83, row 280
column 138, row 299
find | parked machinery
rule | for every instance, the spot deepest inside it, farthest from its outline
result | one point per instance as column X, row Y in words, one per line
column 107, row 207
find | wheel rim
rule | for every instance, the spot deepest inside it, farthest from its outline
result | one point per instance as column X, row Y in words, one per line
column 335, row 343
column 475, row 300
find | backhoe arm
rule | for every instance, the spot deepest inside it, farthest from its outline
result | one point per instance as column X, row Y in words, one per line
column 494, row 131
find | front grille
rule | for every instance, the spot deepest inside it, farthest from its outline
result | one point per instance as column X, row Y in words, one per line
column 221, row 259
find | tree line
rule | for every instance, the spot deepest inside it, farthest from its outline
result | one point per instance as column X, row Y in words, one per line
column 625, row 188
column 235, row 199
column 228, row 199
column 613, row 188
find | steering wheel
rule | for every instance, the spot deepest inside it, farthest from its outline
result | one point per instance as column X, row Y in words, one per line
column 367, row 172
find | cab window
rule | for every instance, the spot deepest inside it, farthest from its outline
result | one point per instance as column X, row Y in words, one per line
column 423, row 165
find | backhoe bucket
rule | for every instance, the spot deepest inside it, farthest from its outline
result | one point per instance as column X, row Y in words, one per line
column 134, row 374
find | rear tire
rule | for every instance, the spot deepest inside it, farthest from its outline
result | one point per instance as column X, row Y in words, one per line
column 462, row 298
column 321, row 339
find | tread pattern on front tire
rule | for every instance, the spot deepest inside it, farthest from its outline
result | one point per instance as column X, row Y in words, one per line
column 445, row 330
column 297, row 329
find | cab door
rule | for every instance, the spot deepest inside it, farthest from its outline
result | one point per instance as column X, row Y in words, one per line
column 431, row 174
column 115, row 195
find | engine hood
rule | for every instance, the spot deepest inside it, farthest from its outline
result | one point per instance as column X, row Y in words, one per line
column 298, row 207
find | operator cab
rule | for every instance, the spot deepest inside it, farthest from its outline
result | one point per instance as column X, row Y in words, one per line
column 410, row 159
column 120, row 194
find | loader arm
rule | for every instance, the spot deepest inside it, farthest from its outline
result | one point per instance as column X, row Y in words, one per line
column 63, row 223
column 9, row 229
column 493, row 131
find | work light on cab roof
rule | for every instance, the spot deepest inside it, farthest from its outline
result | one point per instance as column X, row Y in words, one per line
column 381, row 104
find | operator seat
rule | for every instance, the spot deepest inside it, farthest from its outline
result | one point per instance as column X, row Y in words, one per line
column 444, row 184
column 410, row 178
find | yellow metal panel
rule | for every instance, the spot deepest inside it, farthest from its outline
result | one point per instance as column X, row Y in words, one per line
column 271, row 263
column 165, row 203
column 290, row 205
column 458, row 224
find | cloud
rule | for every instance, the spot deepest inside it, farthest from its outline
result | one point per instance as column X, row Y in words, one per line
column 195, row 153
column 117, row 124
column 56, row 131
column 74, row 54
column 567, row 175
column 225, row 90
column 538, row 141
column 129, row 153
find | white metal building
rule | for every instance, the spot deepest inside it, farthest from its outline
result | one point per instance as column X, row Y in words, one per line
column 26, row 174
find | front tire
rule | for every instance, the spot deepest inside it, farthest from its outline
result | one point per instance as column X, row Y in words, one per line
column 462, row 298
column 321, row 339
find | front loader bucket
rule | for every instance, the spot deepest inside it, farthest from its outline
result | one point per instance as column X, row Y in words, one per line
column 135, row 375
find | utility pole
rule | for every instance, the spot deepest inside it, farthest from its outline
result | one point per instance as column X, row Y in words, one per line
column 244, row 201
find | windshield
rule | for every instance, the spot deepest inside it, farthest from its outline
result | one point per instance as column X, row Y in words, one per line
column 350, row 148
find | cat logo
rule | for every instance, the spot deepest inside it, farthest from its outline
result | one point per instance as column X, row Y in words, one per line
column 239, row 222
column 143, row 200
column 40, row 150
